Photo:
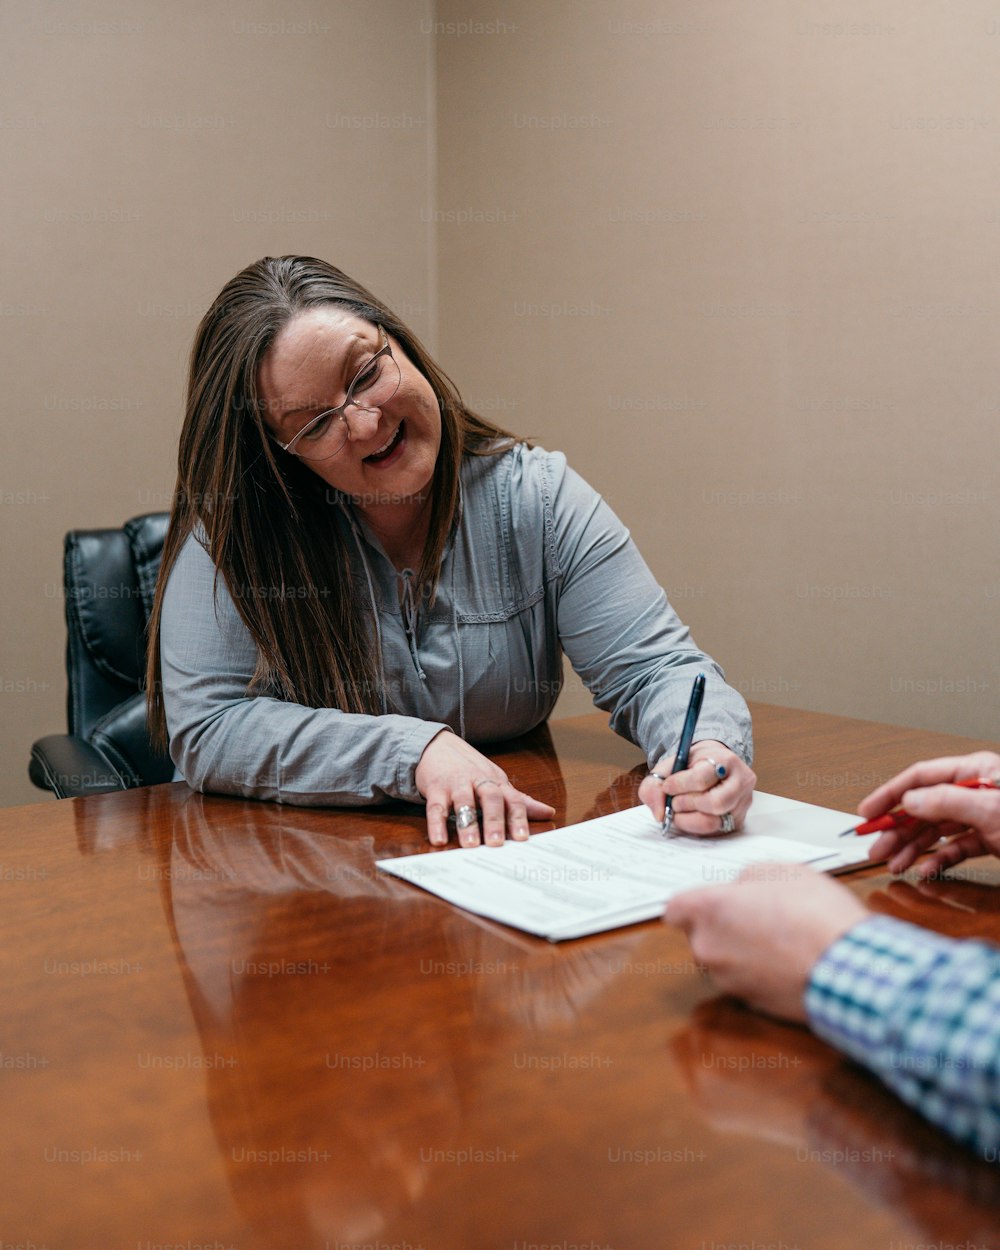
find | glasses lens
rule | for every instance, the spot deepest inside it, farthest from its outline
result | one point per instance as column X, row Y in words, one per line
column 376, row 384
column 324, row 438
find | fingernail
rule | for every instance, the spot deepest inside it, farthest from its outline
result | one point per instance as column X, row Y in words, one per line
column 914, row 801
column 520, row 834
column 494, row 838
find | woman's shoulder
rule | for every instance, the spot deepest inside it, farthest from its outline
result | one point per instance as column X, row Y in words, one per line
column 518, row 472
column 530, row 498
column 192, row 555
column 193, row 577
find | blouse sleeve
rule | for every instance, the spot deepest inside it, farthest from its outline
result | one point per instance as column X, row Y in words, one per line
column 620, row 633
column 227, row 742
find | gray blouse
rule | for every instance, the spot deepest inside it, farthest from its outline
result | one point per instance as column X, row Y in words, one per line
column 538, row 564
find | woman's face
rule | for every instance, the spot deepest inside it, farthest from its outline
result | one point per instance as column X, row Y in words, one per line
column 308, row 369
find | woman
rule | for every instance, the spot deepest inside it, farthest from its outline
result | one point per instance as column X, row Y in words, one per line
column 362, row 577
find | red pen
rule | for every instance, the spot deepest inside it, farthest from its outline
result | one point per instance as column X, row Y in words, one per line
column 900, row 819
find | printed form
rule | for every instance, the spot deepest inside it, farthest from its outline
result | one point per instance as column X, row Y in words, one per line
column 620, row 869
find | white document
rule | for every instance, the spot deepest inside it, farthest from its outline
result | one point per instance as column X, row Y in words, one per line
column 620, row 869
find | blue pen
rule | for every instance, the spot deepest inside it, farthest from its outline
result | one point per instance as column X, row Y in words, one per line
column 687, row 737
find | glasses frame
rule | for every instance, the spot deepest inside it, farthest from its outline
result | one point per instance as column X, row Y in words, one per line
column 338, row 412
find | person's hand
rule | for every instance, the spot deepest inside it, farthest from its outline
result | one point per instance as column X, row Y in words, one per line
column 451, row 775
column 761, row 935
column 701, row 797
column 969, row 818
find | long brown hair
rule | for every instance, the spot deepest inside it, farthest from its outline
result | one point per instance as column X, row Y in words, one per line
column 266, row 517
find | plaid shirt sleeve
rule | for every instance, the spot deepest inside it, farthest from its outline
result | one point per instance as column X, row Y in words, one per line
column 921, row 1011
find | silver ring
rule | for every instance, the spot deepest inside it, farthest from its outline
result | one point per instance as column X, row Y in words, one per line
column 465, row 816
column 714, row 763
column 484, row 781
column 658, row 776
column 728, row 823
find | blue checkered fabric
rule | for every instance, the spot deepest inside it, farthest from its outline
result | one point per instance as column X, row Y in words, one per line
column 923, row 1013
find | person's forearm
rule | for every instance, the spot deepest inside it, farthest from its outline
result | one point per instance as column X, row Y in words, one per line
column 226, row 742
column 655, row 714
column 265, row 749
column 923, row 1013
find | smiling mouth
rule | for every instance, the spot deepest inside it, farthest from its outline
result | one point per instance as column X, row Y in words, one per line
column 387, row 448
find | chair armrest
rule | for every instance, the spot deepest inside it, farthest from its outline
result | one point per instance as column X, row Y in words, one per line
column 70, row 767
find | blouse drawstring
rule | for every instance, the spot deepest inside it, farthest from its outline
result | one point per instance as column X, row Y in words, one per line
column 408, row 607
column 409, row 612
column 456, row 633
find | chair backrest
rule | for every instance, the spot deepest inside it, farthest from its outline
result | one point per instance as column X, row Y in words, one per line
column 110, row 579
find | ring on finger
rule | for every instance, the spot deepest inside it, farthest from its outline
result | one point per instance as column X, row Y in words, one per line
column 465, row 816
column 658, row 776
column 728, row 824
column 484, row 781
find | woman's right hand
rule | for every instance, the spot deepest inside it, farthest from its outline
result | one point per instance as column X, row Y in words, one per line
column 970, row 818
column 451, row 774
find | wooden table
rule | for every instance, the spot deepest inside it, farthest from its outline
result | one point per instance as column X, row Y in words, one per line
column 224, row 1028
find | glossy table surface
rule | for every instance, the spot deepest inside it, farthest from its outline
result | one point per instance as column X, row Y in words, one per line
column 224, row 1028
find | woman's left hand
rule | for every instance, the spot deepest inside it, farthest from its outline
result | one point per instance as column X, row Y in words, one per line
column 701, row 798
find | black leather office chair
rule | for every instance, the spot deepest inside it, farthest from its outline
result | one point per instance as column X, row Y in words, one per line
column 109, row 579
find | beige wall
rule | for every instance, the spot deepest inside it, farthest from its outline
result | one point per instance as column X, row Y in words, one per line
column 149, row 152
column 737, row 260
column 740, row 262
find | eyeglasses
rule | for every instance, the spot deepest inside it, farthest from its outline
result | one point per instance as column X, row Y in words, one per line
column 373, row 385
